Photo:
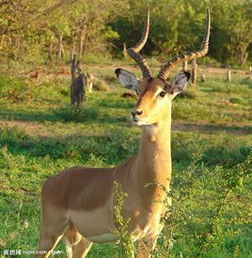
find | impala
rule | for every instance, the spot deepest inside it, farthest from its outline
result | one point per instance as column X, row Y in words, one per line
column 78, row 202
column 89, row 77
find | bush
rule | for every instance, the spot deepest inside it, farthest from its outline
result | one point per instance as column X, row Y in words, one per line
column 101, row 85
column 189, row 94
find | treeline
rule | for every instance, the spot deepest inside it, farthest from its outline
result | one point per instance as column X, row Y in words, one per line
column 38, row 31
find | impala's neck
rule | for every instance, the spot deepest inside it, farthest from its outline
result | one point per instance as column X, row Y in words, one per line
column 154, row 157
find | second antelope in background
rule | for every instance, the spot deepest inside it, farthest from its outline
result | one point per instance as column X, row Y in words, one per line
column 80, row 83
column 77, row 91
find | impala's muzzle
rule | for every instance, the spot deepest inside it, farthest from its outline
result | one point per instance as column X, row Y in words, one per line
column 135, row 115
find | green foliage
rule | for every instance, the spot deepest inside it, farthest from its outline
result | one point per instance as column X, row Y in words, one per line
column 121, row 223
column 101, row 85
column 89, row 28
column 224, row 155
column 205, row 230
column 189, row 94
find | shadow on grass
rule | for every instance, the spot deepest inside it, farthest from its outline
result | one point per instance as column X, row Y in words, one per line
column 111, row 148
column 247, row 82
column 12, row 114
column 212, row 128
column 116, row 146
column 65, row 114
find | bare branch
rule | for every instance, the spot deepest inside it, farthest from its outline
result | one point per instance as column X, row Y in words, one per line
column 45, row 12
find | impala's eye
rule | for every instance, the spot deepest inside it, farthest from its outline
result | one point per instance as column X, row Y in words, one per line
column 162, row 94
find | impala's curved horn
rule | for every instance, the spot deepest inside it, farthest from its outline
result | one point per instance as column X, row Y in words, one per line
column 169, row 66
column 134, row 51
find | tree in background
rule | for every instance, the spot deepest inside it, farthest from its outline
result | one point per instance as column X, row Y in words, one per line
column 232, row 30
column 41, row 31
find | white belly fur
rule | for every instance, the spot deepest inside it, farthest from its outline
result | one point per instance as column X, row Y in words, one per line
column 105, row 238
column 97, row 225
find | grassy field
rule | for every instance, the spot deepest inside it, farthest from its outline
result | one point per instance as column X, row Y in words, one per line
column 41, row 134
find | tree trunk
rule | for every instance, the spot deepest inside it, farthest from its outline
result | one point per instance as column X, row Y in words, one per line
column 85, row 42
column 194, row 72
column 51, row 48
column 2, row 40
column 60, row 47
column 229, row 76
column 124, row 50
column 185, row 66
column 81, row 42
column 73, row 42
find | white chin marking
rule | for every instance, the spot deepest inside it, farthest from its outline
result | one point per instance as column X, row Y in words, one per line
column 139, row 122
column 142, row 123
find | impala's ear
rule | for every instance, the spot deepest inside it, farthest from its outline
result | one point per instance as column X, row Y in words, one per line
column 179, row 81
column 127, row 79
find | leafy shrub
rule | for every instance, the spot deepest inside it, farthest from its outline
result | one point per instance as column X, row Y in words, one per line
column 189, row 94
column 100, row 85
column 64, row 92
column 110, row 79
column 225, row 156
column 235, row 100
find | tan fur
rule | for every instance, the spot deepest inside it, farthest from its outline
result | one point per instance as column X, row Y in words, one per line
column 78, row 202
column 89, row 82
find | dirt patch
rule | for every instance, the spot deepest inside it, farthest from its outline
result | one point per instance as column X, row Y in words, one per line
column 31, row 128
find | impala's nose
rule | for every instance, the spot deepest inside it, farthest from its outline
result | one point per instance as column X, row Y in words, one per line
column 136, row 113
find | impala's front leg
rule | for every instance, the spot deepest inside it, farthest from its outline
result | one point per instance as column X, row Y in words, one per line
column 145, row 247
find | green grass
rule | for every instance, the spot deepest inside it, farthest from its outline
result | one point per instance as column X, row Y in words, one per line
column 40, row 134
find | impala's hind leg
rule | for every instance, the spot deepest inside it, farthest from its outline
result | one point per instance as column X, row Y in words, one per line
column 53, row 226
column 76, row 245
